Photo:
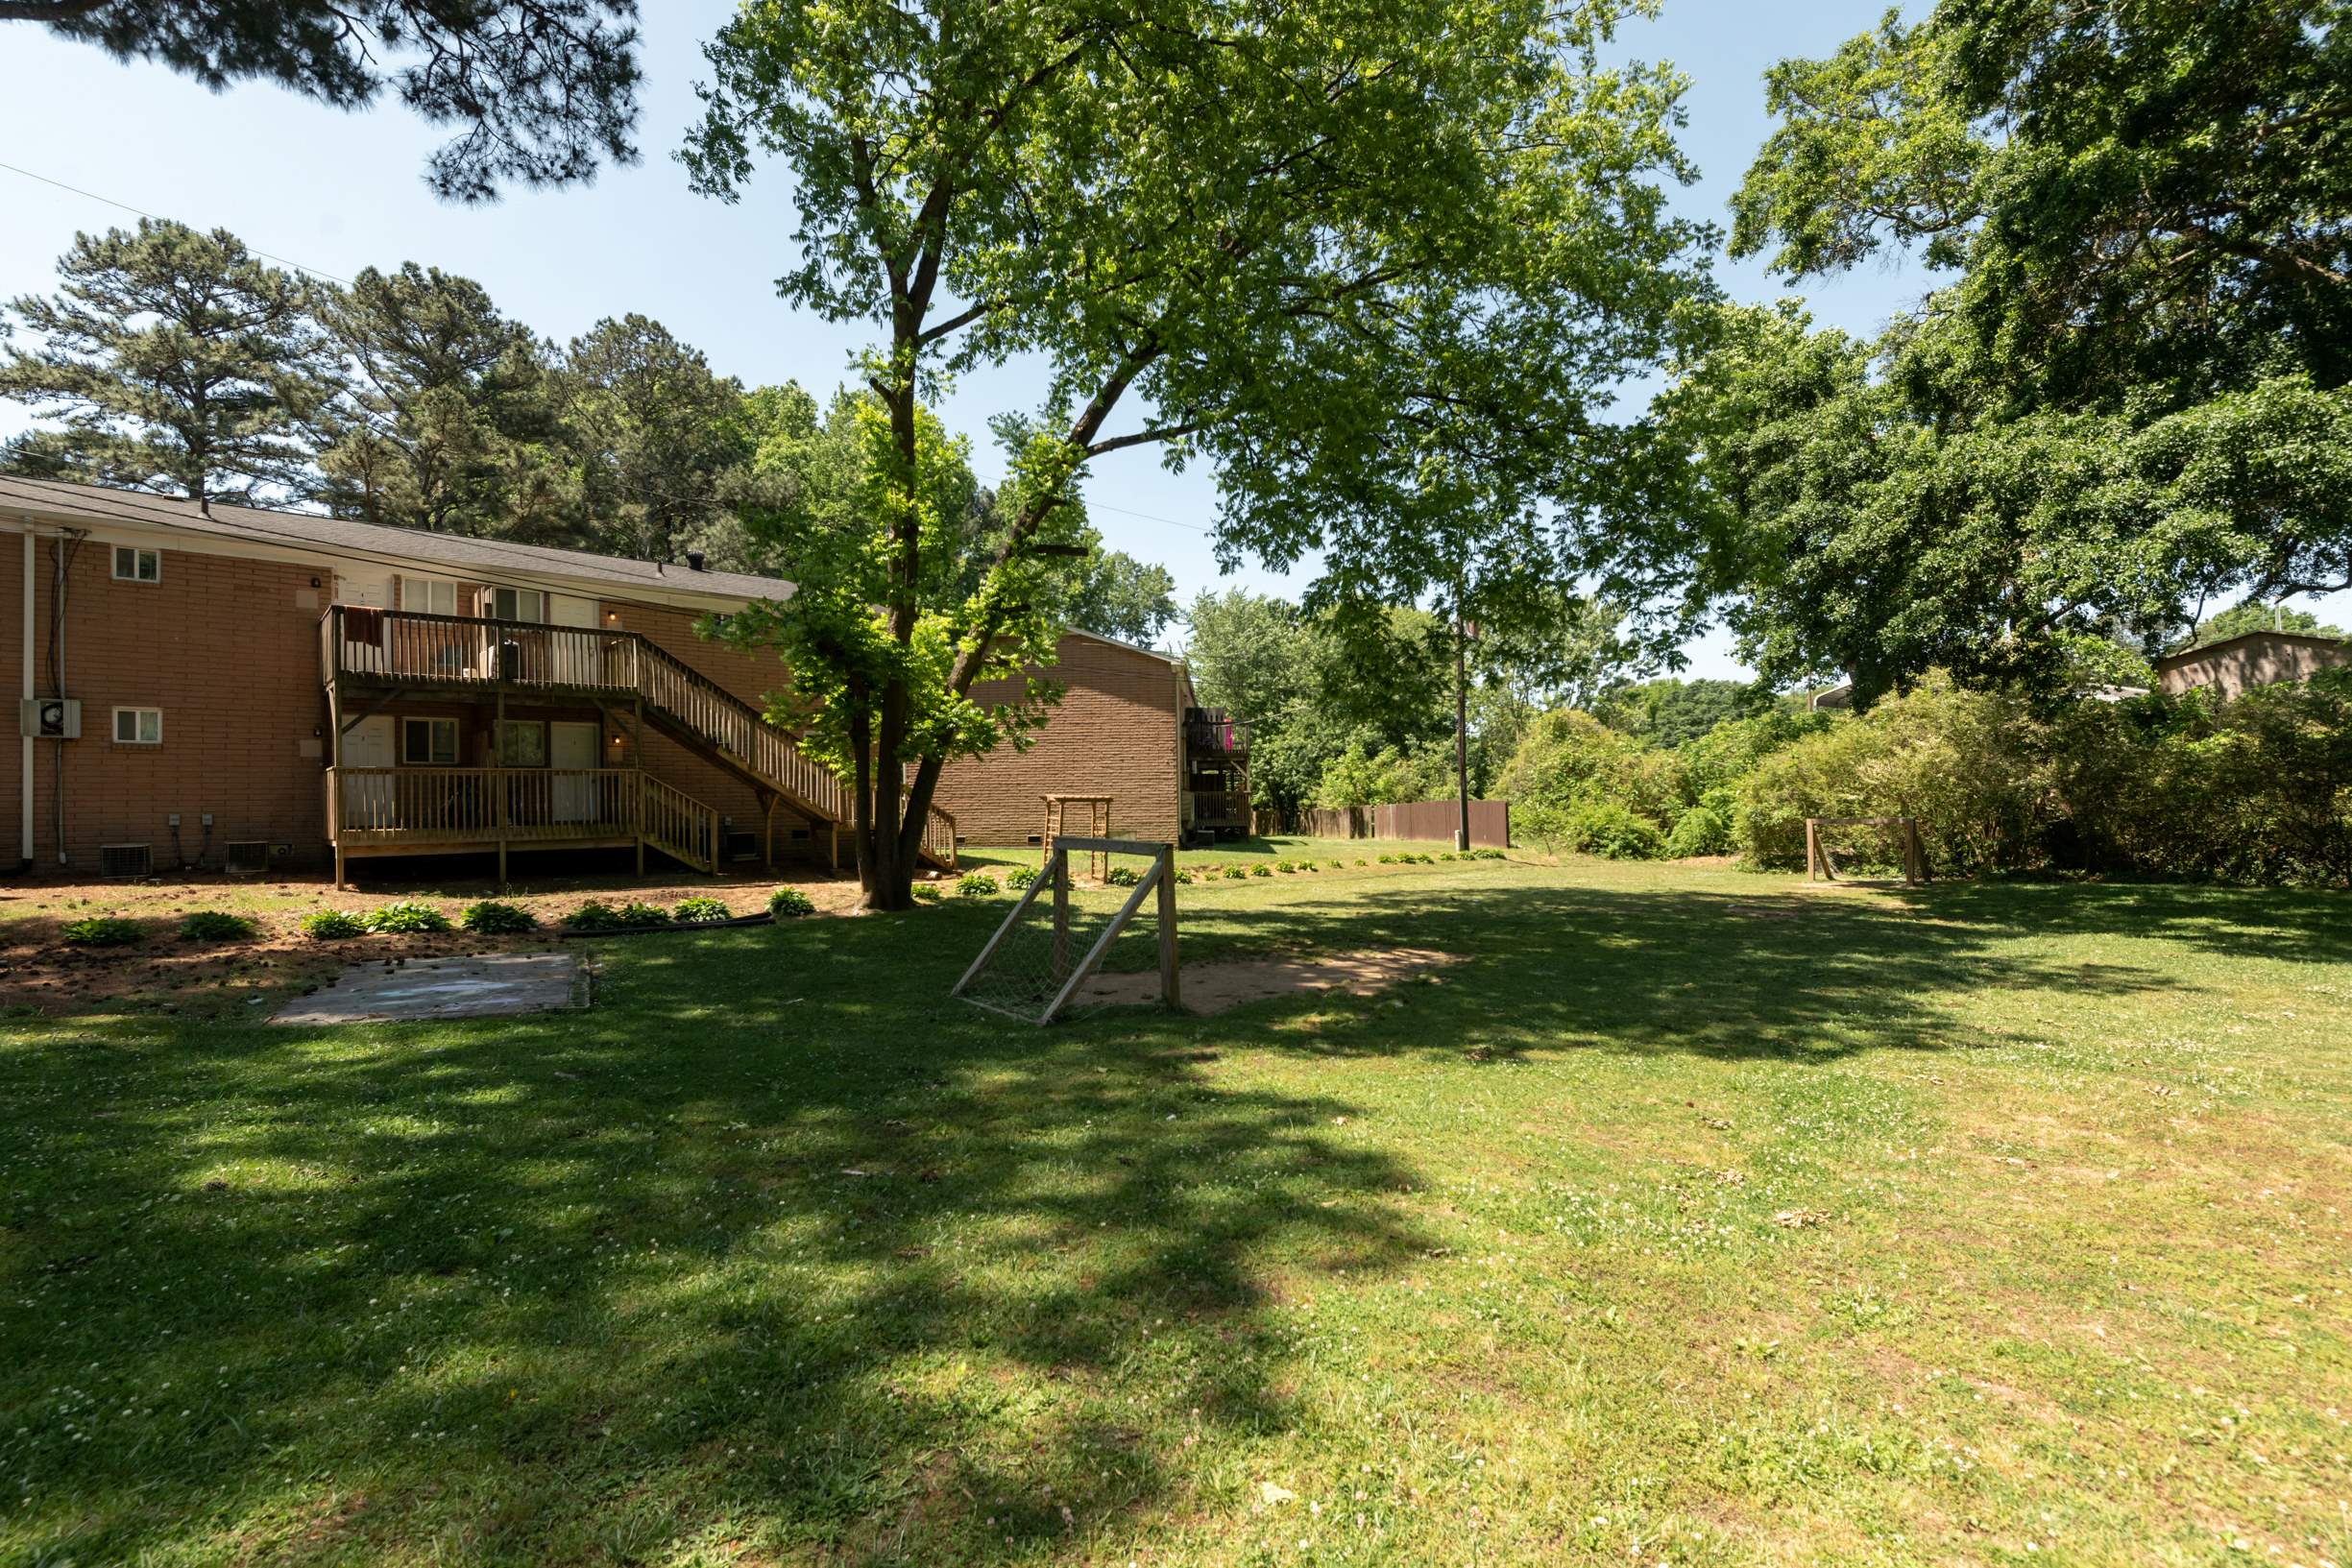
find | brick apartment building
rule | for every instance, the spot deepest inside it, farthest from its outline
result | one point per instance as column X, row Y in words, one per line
column 254, row 689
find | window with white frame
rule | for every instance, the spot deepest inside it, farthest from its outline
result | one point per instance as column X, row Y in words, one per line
column 429, row 743
column 518, row 604
column 132, row 565
column 139, row 726
column 429, row 595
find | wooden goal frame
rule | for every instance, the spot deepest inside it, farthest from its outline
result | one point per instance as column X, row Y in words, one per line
column 1056, row 877
column 1818, row 867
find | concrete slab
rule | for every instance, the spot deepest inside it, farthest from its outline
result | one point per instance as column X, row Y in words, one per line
column 494, row 985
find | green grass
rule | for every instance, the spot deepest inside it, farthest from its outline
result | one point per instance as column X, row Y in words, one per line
column 1693, row 1216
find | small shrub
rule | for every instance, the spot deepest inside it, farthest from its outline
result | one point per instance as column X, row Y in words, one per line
column 216, row 926
column 1360, row 861
column 1261, row 869
column 926, row 893
column 595, row 915
column 1284, row 867
column 1020, row 877
column 407, row 917
column 700, row 911
column 977, row 884
column 1700, row 831
column 786, row 902
column 333, row 926
column 636, row 912
column 1183, row 879
column 102, row 931
column 1610, row 831
column 1235, row 873
column 1306, row 865
column 1385, row 860
column 491, row 918
column 1122, row 876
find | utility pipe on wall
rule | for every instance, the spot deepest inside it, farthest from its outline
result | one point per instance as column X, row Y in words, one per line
column 24, row 763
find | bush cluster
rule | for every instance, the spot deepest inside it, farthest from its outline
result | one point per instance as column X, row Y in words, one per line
column 2254, row 790
column 1020, row 877
column 975, row 885
column 787, row 903
column 700, row 911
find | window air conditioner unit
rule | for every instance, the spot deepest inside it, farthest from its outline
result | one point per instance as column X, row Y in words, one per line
column 53, row 718
column 125, row 859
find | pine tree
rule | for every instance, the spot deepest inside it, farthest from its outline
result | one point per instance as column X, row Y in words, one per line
column 175, row 361
column 445, row 417
column 541, row 90
column 656, row 433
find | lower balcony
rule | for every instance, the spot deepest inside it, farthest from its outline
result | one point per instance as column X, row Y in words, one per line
column 429, row 811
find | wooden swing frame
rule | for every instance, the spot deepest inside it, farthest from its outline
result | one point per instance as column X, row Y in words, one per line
column 1161, row 879
column 1819, row 868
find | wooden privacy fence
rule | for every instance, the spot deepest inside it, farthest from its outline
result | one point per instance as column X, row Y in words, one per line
column 1432, row 821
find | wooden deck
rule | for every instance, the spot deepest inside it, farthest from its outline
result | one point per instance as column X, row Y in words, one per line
column 428, row 810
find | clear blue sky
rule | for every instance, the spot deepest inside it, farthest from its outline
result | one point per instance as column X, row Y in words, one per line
column 336, row 192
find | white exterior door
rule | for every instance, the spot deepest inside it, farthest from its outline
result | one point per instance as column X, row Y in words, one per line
column 577, row 660
column 571, row 752
column 367, row 799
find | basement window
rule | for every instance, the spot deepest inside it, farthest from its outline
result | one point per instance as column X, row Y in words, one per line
column 139, row 726
column 137, row 566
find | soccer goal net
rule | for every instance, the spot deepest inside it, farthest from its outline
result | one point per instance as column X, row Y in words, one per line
column 1097, row 933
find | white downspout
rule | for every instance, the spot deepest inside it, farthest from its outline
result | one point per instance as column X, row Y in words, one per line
column 24, row 772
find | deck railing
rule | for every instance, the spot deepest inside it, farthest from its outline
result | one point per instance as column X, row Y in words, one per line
column 460, row 806
column 409, row 647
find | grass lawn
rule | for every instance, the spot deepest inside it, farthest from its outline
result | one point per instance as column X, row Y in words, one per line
column 1692, row 1218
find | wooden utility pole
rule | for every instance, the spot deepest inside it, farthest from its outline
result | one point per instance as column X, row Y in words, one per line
column 1462, row 726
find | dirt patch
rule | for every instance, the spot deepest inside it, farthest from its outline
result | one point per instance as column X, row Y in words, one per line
column 166, row 973
column 1214, row 988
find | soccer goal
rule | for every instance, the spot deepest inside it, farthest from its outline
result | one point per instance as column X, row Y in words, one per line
column 1897, row 844
column 1046, row 960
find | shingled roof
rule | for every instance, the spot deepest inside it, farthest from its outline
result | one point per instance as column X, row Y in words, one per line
column 485, row 560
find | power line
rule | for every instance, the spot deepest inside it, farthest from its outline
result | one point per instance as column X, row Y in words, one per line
column 1127, row 512
column 125, row 207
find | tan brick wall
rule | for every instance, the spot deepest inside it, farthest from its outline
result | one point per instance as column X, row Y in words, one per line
column 229, row 650
column 1115, row 733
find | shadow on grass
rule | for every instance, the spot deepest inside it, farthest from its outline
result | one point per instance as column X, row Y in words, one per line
column 781, row 1249
column 776, row 1245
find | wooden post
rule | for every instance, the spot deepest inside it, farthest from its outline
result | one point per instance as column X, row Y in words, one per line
column 1812, row 851
column 768, row 835
column 334, row 760
column 1169, row 995
column 1059, row 869
column 498, row 779
column 1914, row 857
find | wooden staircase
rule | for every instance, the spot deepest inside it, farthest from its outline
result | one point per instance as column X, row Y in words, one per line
column 708, row 720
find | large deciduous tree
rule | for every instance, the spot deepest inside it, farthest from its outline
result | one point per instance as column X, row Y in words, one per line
column 173, row 361
column 542, row 90
column 1213, row 223
column 2130, row 400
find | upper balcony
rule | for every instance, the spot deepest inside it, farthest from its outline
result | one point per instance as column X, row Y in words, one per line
column 363, row 646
